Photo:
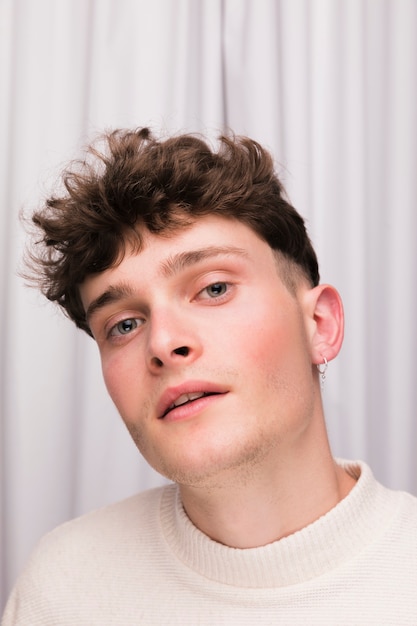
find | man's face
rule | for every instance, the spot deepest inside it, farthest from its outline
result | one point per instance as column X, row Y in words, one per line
column 205, row 352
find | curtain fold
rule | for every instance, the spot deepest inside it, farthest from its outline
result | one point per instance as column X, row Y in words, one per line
column 330, row 87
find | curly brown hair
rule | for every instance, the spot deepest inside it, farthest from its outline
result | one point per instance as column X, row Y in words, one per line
column 136, row 180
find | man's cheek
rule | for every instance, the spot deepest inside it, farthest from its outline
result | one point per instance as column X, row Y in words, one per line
column 117, row 378
column 266, row 348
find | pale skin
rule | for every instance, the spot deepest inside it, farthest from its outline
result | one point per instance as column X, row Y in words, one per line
column 205, row 310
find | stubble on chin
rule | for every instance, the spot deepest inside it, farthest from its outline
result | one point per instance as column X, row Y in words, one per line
column 209, row 469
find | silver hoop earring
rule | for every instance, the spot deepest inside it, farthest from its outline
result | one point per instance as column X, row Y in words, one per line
column 322, row 369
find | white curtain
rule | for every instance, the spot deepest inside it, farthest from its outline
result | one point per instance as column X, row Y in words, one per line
column 330, row 86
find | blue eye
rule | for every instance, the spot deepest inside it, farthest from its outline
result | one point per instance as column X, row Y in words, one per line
column 125, row 327
column 216, row 289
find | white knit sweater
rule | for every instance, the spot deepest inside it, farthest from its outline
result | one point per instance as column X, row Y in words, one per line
column 142, row 561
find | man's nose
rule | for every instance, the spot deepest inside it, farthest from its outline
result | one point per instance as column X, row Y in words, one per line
column 172, row 341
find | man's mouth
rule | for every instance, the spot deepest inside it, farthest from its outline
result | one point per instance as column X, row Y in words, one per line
column 186, row 398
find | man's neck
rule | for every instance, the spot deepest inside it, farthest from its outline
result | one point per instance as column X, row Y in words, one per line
column 271, row 503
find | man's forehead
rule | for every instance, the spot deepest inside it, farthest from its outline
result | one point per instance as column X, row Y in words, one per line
column 167, row 253
column 170, row 264
column 181, row 260
column 192, row 239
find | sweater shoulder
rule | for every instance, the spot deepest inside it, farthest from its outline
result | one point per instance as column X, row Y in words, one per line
column 405, row 519
column 89, row 561
column 129, row 524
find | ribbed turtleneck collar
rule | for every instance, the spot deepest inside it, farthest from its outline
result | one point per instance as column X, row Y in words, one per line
column 320, row 547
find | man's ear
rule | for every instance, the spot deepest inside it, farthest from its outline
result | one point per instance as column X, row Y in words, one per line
column 325, row 322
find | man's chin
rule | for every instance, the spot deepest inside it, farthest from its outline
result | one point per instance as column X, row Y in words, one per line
column 218, row 471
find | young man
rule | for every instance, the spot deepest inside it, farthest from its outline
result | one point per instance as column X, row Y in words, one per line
column 199, row 284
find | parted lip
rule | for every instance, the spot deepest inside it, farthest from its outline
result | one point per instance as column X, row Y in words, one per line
column 172, row 394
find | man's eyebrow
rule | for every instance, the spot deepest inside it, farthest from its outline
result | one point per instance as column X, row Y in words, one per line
column 111, row 295
column 173, row 265
column 182, row 260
